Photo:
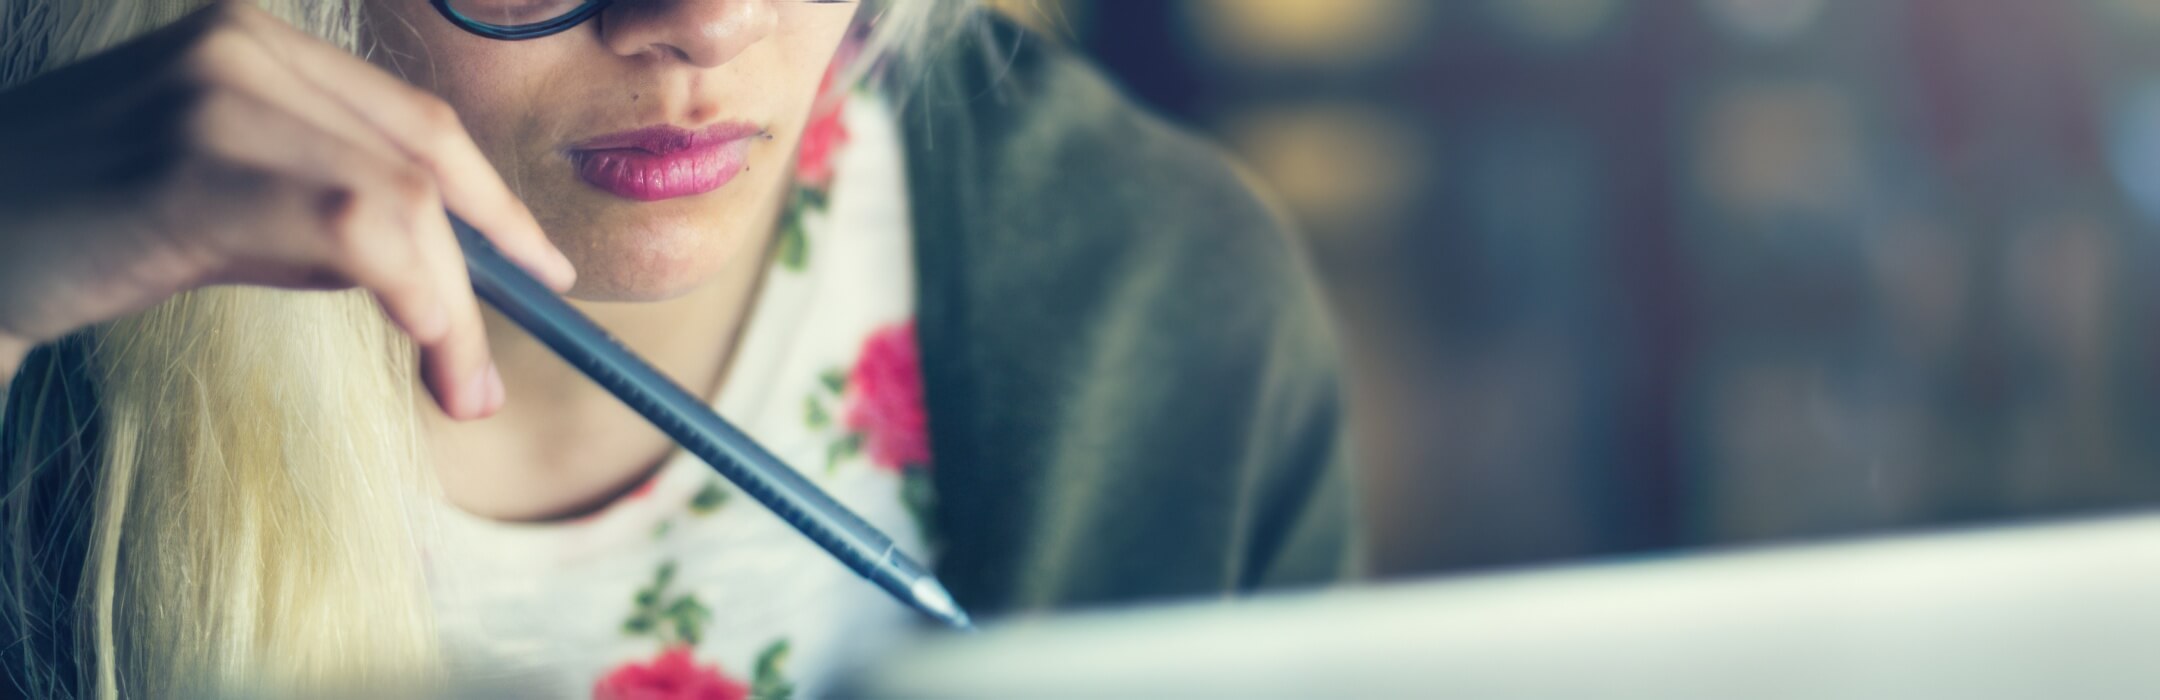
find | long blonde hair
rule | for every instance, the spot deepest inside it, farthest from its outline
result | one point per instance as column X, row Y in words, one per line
column 226, row 492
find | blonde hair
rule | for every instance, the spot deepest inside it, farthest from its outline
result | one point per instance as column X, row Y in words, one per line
column 226, row 492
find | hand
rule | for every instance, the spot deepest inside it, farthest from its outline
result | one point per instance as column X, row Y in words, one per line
column 231, row 147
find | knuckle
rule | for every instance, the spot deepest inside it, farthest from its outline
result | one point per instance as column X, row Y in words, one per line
column 337, row 213
column 439, row 124
column 206, row 114
column 360, row 215
column 218, row 50
column 410, row 194
column 413, row 186
column 211, row 17
column 231, row 14
column 225, row 10
column 435, row 113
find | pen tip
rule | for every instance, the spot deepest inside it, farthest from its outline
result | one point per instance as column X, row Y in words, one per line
column 935, row 600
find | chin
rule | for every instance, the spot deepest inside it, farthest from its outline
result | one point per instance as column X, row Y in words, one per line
column 657, row 263
column 630, row 290
column 640, row 282
column 657, row 251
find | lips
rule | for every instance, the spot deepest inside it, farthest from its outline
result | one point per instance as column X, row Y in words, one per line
column 665, row 161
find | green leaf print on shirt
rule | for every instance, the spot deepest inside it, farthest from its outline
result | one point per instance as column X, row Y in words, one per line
column 709, row 499
column 769, row 681
column 822, row 141
column 842, row 449
column 705, row 502
column 793, row 252
column 832, row 387
column 672, row 619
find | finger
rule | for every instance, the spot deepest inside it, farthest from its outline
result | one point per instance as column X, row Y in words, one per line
column 290, row 226
column 239, row 61
column 454, row 357
column 334, row 214
column 443, row 318
column 428, row 130
column 463, row 356
column 312, row 235
column 267, row 193
column 252, row 70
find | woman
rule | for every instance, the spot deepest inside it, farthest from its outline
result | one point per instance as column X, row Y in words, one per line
column 1054, row 344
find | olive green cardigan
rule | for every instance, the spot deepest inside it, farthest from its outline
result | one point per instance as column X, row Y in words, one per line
column 1132, row 385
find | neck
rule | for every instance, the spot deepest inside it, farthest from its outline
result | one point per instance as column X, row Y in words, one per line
column 562, row 446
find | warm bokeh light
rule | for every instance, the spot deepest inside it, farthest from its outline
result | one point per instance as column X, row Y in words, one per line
column 1639, row 275
column 1346, row 167
column 1306, row 32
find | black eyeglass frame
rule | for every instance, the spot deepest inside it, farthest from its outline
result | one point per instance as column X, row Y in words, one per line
column 521, row 32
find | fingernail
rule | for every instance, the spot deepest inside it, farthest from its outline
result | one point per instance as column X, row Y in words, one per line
column 557, row 270
column 565, row 273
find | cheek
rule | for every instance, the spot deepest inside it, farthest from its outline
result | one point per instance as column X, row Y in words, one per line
column 515, row 104
column 499, row 94
column 493, row 85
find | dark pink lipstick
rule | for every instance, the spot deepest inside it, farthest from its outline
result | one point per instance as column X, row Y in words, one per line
column 665, row 161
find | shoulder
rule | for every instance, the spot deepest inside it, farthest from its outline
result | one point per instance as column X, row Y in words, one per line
column 1031, row 161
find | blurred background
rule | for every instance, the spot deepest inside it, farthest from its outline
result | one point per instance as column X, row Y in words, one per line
column 1627, row 276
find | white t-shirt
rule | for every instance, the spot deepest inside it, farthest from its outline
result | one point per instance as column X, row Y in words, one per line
column 687, row 587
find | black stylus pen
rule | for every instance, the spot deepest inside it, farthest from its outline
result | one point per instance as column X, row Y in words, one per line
column 687, row 419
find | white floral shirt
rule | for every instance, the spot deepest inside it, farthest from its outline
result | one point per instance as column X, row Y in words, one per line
column 686, row 587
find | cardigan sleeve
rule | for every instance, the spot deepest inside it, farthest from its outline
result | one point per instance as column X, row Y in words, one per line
column 1307, row 530
column 1132, row 385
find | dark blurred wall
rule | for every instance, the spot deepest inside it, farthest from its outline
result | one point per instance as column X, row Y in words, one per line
column 1625, row 276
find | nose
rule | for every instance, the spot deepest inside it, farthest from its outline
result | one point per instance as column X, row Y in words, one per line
column 703, row 33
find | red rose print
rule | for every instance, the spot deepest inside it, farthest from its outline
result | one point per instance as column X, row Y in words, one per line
column 885, row 399
column 673, row 676
column 825, row 136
